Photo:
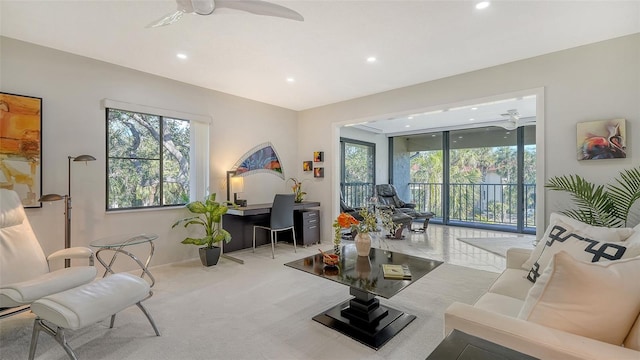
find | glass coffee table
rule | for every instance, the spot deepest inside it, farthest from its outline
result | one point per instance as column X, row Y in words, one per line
column 362, row 317
column 117, row 243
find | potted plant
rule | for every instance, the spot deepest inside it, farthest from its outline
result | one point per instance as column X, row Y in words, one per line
column 395, row 229
column 608, row 205
column 209, row 217
column 297, row 190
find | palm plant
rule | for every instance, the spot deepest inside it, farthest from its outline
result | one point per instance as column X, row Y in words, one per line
column 600, row 205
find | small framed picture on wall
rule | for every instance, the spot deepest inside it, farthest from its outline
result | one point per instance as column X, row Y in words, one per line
column 318, row 172
column 307, row 165
column 318, row 156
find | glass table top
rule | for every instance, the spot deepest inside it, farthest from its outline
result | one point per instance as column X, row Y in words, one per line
column 120, row 240
column 365, row 273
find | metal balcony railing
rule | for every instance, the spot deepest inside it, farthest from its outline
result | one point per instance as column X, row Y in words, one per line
column 479, row 203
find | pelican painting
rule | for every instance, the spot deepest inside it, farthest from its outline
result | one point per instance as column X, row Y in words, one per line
column 602, row 139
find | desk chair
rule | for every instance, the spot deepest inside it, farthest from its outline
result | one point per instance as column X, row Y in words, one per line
column 25, row 273
column 281, row 219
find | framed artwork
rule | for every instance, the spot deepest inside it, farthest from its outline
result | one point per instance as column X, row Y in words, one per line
column 318, row 172
column 307, row 165
column 318, row 156
column 21, row 146
column 601, row 139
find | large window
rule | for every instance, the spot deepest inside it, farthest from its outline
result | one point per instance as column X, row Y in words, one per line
column 357, row 177
column 156, row 157
column 148, row 160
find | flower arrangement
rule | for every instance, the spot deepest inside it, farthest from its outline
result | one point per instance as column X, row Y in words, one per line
column 386, row 216
column 297, row 190
column 347, row 221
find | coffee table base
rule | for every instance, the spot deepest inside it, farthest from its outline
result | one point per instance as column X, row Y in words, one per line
column 375, row 335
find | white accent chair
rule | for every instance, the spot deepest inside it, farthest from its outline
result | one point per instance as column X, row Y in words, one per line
column 25, row 273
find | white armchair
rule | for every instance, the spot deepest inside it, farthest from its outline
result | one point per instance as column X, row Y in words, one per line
column 25, row 273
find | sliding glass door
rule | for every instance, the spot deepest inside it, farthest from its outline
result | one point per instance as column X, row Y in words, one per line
column 482, row 177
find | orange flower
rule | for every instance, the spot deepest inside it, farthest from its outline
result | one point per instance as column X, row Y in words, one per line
column 346, row 220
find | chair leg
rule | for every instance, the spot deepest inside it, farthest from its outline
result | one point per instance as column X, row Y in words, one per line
column 58, row 335
column 146, row 313
column 293, row 231
column 273, row 245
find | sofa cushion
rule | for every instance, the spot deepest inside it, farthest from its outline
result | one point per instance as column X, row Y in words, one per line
column 633, row 338
column 563, row 237
column 596, row 300
column 501, row 304
column 513, row 283
column 594, row 232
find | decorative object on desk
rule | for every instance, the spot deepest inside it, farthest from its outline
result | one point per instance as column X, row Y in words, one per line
column 318, row 172
column 209, row 217
column 397, row 272
column 67, row 201
column 602, row 139
column 297, row 190
column 307, row 165
column 607, row 205
column 318, row 156
column 20, row 146
column 394, row 229
column 261, row 158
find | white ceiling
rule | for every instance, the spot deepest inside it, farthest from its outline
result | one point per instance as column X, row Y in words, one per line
column 251, row 56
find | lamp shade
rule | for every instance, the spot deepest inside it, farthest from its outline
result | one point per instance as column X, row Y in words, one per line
column 50, row 197
column 237, row 184
column 84, row 158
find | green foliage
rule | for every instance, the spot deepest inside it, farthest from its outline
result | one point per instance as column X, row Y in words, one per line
column 600, row 205
column 209, row 217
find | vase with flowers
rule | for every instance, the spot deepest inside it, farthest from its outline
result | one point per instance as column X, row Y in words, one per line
column 297, row 190
column 362, row 228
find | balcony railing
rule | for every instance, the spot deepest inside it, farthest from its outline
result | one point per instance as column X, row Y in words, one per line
column 357, row 194
column 479, row 203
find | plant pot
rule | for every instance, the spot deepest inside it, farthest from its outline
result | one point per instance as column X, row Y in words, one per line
column 209, row 256
column 363, row 244
column 396, row 235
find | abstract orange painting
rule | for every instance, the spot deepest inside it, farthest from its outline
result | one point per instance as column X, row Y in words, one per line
column 602, row 139
column 21, row 146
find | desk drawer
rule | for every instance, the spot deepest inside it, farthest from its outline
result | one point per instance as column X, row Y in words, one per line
column 307, row 225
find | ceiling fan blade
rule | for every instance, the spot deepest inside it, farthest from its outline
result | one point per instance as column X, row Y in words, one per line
column 167, row 20
column 260, row 8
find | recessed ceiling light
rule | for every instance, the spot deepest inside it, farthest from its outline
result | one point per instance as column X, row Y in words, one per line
column 472, row 119
column 407, row 126
column 371, row 59
column 482, row 5
column 508, row 132
column 291, row 80
column 410, row 118
column 434, row 135
column 474, row 108
column 459, row 137
column 181, row 56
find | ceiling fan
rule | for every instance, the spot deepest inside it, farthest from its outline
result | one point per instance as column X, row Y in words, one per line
column 514, row 120
column 207, row 7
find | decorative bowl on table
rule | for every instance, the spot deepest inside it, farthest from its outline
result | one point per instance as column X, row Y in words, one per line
column 330, row 259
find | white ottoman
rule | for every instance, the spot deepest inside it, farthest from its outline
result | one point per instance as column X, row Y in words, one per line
column 84, row 305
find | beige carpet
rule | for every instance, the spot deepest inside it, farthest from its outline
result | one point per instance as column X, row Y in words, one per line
column 499, row 245
column 259, row 310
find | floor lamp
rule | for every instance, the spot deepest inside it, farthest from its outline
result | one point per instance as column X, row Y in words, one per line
column 67, row 202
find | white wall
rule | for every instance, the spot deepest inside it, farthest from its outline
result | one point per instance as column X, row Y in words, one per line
column 592, row 82
column 74, row 123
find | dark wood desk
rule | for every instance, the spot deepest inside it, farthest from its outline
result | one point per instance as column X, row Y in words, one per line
column 239, row 223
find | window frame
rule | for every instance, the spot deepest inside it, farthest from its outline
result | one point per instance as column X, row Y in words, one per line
column 198, row 151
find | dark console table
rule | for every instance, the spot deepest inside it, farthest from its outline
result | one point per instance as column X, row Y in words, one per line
column 239, row 223
column 362, row 317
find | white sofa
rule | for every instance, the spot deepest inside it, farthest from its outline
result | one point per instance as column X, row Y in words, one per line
column 495, row 317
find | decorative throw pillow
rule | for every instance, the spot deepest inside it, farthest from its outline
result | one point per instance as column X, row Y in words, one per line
column 564, row 238
column 596, row 300
column 593, row 232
